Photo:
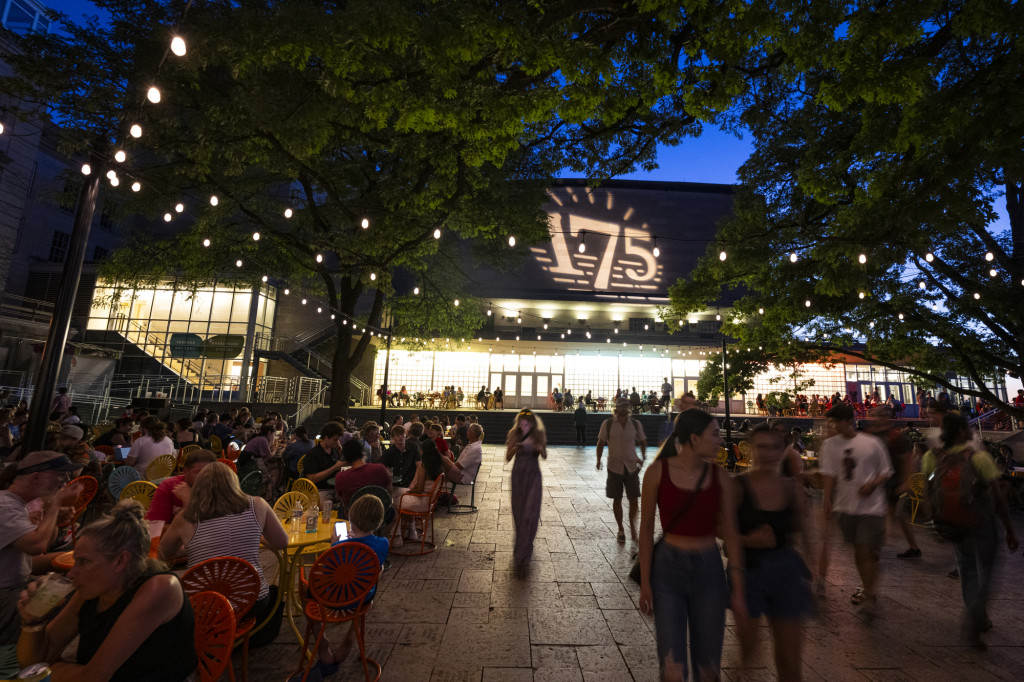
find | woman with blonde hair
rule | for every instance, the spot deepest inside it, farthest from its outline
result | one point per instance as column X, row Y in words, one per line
column 221, row 520
column 131, row 616
column 526, row 442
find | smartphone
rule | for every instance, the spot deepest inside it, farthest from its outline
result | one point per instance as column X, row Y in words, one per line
column 341, row 530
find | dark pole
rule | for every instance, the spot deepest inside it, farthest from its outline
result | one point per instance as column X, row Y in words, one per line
column 57, row 336
column 387, row 363
column 725, row 384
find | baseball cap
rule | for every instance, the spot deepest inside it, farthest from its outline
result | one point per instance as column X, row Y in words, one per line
column 72, row 431
column 45, row 460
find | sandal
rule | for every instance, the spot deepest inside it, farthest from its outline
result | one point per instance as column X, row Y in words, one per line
column 858, row 597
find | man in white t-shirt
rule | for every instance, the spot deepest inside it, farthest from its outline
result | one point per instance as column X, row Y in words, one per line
column 622, row 434
column 854, row 468
column 463, row 470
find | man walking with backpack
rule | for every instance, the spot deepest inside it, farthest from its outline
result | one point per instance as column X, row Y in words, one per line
column 965, row 505
column 622, row 434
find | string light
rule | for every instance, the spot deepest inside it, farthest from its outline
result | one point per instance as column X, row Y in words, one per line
column 993, row 272
column 111, row 174
column 214, row 200
column 255, row 236
column 512, row 240
column 1, row 128
column 489, row 312
column 457, row 304
column 373, row 276
column 86, row 169
column 760, row 311
column 238, row 263
column 807, row 304
column 861, row 295
column 178, row 208
column 114, row 182
column 929, row 257
column 319, row 258
column 519, row 319
column 265, row 279
column 922, row 285
column 136, row 186
column 416, row 291
column 120, row 156
column 862, row 259
column 583, row 242
column 722, row 256
column 656, row 251
column 287, row 213
column 135, row 131
column 989, row 256
column 153, row 95
column 206, row 242
column 718, row 317
column 977, row 296
column 303, row 301
column 178, row 46
column 900, row 316
column 365, row 223
column 168, row 217
column 287, row 291
column 437, row 233
column 793, row 257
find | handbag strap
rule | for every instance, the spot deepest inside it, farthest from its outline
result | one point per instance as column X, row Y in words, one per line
column 678, row 516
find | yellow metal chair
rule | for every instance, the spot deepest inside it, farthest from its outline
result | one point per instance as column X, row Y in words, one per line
column 182, row 454
column 301, row 465
column 286, row 504
column 216, row 445
column 308, row 488
column 142, row 491
column 916, row 494
column 722, row 458
column 161, row 467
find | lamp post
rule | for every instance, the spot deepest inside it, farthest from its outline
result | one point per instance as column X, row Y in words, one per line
column 725, row 384
column 387, row 364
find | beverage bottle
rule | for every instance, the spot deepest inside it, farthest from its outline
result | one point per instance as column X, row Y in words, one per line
column 312, row 519
column 296, row 515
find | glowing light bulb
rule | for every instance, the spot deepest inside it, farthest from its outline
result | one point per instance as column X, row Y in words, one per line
column 206, row 242
column 977, row 296
column 86, row 169
column 922, row 285
column 929, row 257
column 303, row 301
column 807, row 304
column 989, row 256
column 255, row 236
column 214, row 200
column 178, row 46
column 437, row 233
column 793, row 257
column 900, row 316
column 545, row 325
column 153, row 95
column 264, row 279
column 168, row 217
column 114, row 182
column 993, row 272
column 287, row 213
column 238, row 263
column 373, row 276
column 657, row 252
column 760, row 311
column 456, row 302
column 319, row 258
column 1, row 128
column 722, row 256
column 718, row 317
column 489, row 312
column 861, row 295
column 512, row 241
column 111, row 174
column 862, row 259
column 582, row 248
column 120, row 156
column 287, row 291
column 179, row 208
column 416, row 291
column 319, row 310
column 135, row 131
column 136, row 186
column 365, row 223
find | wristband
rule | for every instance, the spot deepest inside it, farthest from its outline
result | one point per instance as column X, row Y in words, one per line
column 33, row 628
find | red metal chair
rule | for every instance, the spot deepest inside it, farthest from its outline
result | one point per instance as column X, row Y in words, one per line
column 107, row 450
column 229, row 463
column 427, row 516
column 239, row 582
column 89, row 488
column 341, row 585
column 214, row 635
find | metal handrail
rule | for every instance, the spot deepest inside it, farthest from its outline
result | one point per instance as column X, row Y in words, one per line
column 308, row 408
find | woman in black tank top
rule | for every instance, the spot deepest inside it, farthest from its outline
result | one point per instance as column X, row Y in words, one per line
column 769, row 513
column 134, row 621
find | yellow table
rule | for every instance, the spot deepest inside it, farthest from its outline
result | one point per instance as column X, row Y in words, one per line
column 299, row 542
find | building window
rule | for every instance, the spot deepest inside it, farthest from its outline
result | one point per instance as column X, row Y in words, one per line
column 59, row 246
column 641, row 324
column 99, row 253
column 69, row 198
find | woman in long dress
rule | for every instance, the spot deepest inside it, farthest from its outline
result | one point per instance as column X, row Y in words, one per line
column 526, row 441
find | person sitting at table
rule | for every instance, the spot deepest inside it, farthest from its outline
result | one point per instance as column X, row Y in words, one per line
column 300, row 445
column 185, row 434
column 436, row 433
column 153, row 443
column 132, row 618
column 365, row 516
column 430, row 467
column 481, row 398
column 221, row 520
column 118, row 437
column 499, row 398
column 174, row 492
column 322, row 462
column 370, row 434
column 463, row 471
column 360, row 474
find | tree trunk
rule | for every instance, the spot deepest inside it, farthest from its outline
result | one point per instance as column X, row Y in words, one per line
column 341, row 372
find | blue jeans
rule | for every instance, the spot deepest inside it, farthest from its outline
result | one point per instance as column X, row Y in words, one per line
column 689, row 589
column 975, row 556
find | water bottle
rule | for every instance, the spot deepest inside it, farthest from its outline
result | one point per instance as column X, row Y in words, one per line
column 312, row 518
column 297, row 515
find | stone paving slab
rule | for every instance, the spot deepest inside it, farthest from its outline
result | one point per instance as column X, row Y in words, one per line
column 461, row 614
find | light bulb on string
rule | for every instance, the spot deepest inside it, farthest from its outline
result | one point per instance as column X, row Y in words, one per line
column 718, row 317
column 179, row 208
column 862, row 259
column 990, row 256
column 111, row 174
column 793, row 257
column 373, row 276
column 319, row 258
column 922, row 285
column 255, row 236
column 722, row 256
column 265, row 279
column 178, row 46
column 287, row 291
column 861, row 295
column 489, row 312
column 456, row 303
column 206, row 242
column 114, row 181
column 214, row 200
column 153, row 95
column 168, row 217
column 807, row 304
column 86, row 169
column 583, row 243
column 319, row 310
column 616, row 330
column 437, row 233
column 519, row 319
column 135, row 131
column 120, row 156
column 136, row 186
column 1, row 128
column 238, row 263
column 929, row 257
column 512, row 240
column 287, row 213
column 993, row 272
column 760, row 311
column 900, row 316
column 365, row 224
column 416, row 291
column 656, row 251
column 977, row 296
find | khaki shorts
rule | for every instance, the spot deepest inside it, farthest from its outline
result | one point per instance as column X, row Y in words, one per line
column 863, row 529
column 616, row 482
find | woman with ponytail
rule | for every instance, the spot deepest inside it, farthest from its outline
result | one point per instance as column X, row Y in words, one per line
column 132, row 617
column 147, row 447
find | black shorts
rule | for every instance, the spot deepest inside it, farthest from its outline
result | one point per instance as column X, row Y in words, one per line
column 616, row 482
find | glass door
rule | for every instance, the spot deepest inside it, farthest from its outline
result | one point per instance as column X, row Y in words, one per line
column 526, row 398
column 511, row 396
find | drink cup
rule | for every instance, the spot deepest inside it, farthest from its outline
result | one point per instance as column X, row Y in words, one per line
column 326, row 510
column 51, row 591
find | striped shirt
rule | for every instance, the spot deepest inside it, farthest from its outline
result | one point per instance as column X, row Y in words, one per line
column 236, row 535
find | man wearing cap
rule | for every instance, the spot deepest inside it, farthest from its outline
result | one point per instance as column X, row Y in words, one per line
column 69, row 441
column 622, row 434
column 174, row 492
column 30, row 511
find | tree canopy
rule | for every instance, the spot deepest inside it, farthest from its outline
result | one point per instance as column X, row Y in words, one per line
column 866, row 216
column 419, row 118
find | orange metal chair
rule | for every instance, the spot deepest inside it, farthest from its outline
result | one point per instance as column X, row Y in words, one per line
column 426, row 516
column 239, row 583
column 229, row 463
column 214, row 635
column 341, row 585
column 137, row 435
column 107, row 450
column 89, row 488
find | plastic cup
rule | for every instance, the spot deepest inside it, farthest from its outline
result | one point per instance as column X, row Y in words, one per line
column 51, row 591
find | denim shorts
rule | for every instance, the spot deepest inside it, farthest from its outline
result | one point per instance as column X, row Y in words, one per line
column 690, row 593
column 778, row 586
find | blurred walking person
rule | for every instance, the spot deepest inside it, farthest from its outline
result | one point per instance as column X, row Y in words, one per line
column 526, row 442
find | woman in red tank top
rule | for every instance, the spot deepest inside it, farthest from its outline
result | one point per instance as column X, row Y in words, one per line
column 682, row 581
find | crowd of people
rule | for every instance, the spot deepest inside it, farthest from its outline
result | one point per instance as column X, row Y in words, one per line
column 129, row 610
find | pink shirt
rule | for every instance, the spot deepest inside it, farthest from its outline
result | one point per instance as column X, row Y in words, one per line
column 166, row 504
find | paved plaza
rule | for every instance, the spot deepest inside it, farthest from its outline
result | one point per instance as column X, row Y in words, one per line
column 461, row 615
